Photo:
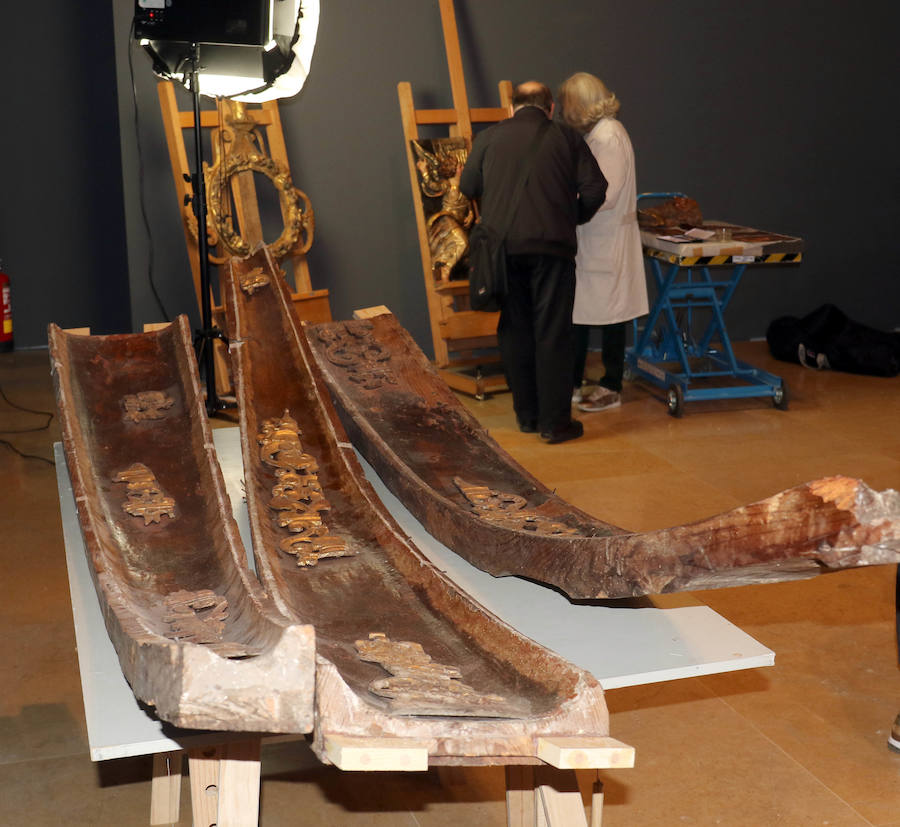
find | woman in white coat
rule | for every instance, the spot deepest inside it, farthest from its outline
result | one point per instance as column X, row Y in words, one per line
column 611, row 288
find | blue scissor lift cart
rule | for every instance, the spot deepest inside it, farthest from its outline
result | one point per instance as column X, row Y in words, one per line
column 684, row 347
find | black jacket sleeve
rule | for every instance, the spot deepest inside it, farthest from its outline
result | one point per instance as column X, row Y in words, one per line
column 471, row 182
column 592, row 184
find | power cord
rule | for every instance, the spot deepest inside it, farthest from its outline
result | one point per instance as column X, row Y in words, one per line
column 43, row 427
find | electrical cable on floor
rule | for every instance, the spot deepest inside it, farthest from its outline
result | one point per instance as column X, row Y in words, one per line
column 43, row 427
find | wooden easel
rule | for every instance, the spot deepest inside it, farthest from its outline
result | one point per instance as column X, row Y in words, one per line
column 309, row 304
column 457, row 332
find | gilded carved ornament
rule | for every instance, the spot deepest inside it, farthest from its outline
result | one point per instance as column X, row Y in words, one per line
column 439, row 162
column 421, row 686
column 240, row 149
column 354, row 348
column 507, row 510
column 297, row 501
column 146, row 405
column 145, row 498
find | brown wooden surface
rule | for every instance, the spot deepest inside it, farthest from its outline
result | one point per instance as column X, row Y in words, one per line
column 408, row 424
column 257, row 672
column 452, row 323
column 384, row 585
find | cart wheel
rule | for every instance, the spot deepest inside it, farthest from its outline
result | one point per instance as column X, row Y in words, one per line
column 628, row 374
column 780, row 397
column 675, row 400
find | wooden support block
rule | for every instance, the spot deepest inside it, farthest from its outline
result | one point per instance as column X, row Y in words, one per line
column 557, row 799
column 376, row 754
column 239, row 785
column 151, row 326
column 225, row 785
column 519, row 796
column 313, row 306
column 597, row 804
column 203, row 766
column 78, row 331
column 369, row 312
column 165, row 789
column 578, row 753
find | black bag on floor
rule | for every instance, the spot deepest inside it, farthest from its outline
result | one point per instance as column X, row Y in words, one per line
column 827, row 339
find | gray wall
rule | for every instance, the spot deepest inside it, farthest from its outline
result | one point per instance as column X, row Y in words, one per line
column 778, row 114
column 62, row 238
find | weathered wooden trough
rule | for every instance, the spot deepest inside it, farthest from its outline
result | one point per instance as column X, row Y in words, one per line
column 195, row 634
column 405, row 660
column 472, row 496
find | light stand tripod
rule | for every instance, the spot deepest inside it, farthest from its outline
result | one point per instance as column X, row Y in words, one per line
column 206, row 336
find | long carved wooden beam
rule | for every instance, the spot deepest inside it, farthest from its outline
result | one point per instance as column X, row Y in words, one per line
column 403, row 655
column 477, row 500
column 196, row 636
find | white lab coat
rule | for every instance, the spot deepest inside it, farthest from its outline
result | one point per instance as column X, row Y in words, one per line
column 611, row 286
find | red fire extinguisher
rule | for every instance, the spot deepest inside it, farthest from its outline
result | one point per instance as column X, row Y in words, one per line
column 6, row 331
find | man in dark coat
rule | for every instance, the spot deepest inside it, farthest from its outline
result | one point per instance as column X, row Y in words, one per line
column 565, row 187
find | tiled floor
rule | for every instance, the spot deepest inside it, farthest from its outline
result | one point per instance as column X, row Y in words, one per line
column 800, row 743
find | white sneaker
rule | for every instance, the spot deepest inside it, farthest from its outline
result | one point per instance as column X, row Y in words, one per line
column 577, row 396
column 600, row 399
column 894, row 737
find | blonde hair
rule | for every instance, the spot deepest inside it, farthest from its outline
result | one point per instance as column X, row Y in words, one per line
column 584, row 100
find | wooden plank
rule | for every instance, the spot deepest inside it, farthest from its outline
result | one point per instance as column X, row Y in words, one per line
column 313, row 306
column 165, row 788
column 369, row 312
column 78, row 331
column 209, row 118
column 376, row 754
column 558, row 800
column 578, row 753
column 149, row 327
column 469, row 324
column 477, row 386
column 239, row 769
column 597, row 804
column 463, row 126
column 203, row 768
column 519, row 796
column 488, row 114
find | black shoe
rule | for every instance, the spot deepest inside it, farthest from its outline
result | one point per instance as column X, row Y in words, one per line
column 529, row 426
column 573, row 430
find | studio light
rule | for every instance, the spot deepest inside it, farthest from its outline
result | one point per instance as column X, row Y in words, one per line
column 250, row 50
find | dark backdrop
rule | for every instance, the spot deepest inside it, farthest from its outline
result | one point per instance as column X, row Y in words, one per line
column 62, row 229
column 779, row 114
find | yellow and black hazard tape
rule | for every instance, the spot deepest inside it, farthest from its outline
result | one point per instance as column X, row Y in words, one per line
column 712, row 261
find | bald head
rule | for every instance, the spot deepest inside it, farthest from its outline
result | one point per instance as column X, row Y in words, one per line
column 533, row 93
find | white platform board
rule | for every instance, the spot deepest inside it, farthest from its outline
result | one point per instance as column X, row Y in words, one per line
column 619, row 646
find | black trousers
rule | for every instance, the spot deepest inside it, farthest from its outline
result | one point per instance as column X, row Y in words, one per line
column 613, row 344
column 536, row 338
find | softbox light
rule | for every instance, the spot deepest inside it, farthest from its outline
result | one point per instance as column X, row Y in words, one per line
column 251, row 50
